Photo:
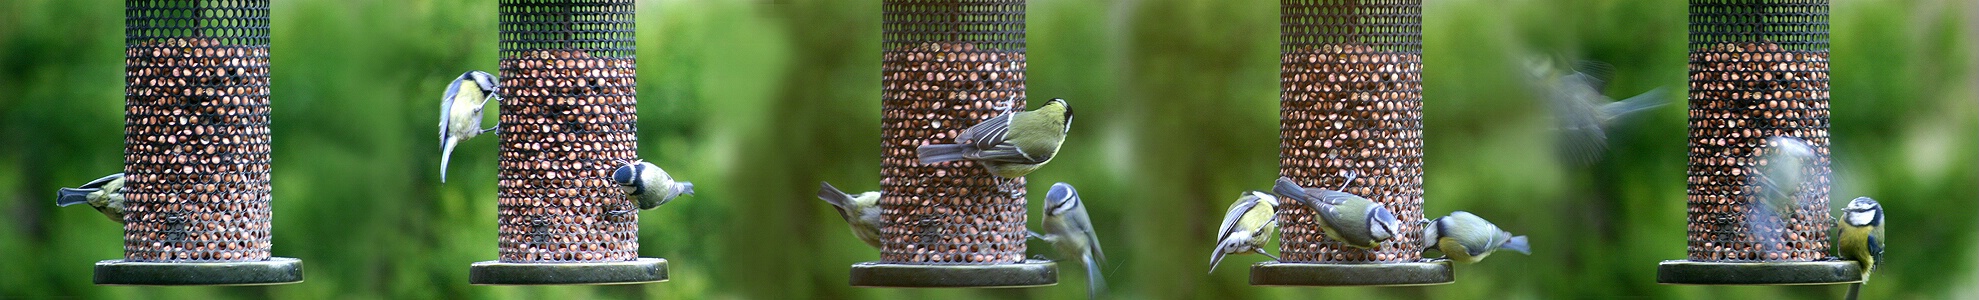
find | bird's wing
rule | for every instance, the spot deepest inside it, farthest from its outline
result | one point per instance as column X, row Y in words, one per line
column 447, row 108
column 1230, row 218
column 1332, row 197
column 99, row 182
column 989, row 133
column 1876, row 248
column 1007, row 153
column 1594, row 74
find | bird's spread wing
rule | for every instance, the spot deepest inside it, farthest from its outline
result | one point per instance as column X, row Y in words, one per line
column 1236, row 213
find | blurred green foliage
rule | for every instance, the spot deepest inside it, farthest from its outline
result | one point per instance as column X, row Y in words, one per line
column 757, row 101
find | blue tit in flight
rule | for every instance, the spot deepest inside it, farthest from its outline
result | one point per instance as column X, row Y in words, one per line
column 1582, row 114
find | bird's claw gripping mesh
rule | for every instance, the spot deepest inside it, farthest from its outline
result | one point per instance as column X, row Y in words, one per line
column 948, row 65
column 567, row 120
column 1758, row 69
column 1351, row 101
column 196, row 138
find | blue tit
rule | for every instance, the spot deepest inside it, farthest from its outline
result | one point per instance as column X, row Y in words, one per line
column 1344, row 217
column 862, row 212
column 1861, row 237
column 648, row 183
column 1069, row 229
column 1786, row 162
column 1247, row 225
column 1467, row 238
column 1011, row 144
column 105, row 194
column 1581, row 112
column 460, row 115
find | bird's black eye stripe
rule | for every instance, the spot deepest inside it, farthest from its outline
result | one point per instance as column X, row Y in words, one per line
column 1071, row 201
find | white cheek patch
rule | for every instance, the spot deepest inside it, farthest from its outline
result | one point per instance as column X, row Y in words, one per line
column 1860, row 218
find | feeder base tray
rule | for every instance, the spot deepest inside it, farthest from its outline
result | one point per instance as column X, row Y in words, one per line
column 277, row 270
column 642, row 270
column 1431, row 272
column 1030, row 273
column 1758, row 273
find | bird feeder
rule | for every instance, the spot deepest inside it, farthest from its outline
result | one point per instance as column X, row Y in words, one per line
column 1351, row 102
column 567, row 120
column 196, row 147
column 948, row 65
column 1758, row 69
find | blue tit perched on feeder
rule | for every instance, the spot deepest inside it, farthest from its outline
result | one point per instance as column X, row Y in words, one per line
column 1466, row 238
column 1861, row 237
column 460, row 114
column 105, row 194
column 1069, row 230
column 861, row 211
column 1010, row 145
column 649, row 184
column 1344, row 217
column 1246, row 227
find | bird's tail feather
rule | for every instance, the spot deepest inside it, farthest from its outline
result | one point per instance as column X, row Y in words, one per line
column 1096, row 284
column 1215, row 258
column 1517, row 243
column 446, row 154
column 834, row 196
column 1286, row 188
column 939, row 153
column 69, row 196
column 1644, row 101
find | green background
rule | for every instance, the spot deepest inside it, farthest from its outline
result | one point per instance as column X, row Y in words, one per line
column 758, row 101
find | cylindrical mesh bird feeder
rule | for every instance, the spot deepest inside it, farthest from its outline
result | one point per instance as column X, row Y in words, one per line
column 567, row 121
column 1351, row 103
column 948, row 65
column 1758, row 69
column 196, row 145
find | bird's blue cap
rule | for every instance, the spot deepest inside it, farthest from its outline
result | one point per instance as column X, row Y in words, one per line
column 627, row 175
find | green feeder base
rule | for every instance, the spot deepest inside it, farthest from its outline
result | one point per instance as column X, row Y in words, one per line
column 1758, row 273
column 642, row 270
column 1429, row 272
column 277, row 270
column 1030, row 273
